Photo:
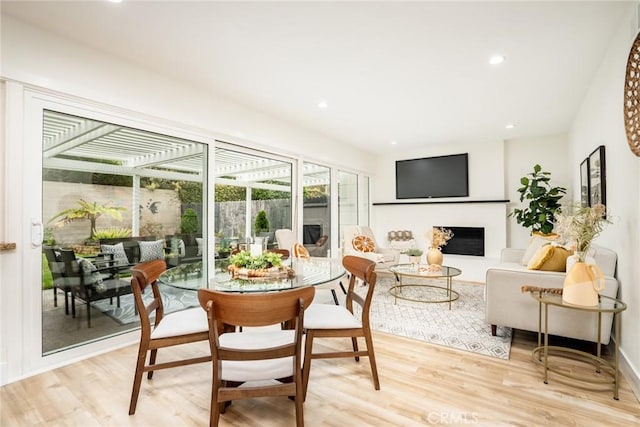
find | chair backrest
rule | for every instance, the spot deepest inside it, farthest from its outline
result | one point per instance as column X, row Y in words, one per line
column 259, row 309
column 299, row 251
column 56, row 265
column 283, row 252
column 364, row 270
column 285, row 238
column 143, row 275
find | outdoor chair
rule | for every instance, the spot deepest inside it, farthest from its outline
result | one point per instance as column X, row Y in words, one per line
column 285, row 239
column 90, row 281
column 56, row 266
column 244, row 361
column 181, row 327
column 333, row 321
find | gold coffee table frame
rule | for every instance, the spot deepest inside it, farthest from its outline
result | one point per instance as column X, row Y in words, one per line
column 542, row 352
column 421, row 271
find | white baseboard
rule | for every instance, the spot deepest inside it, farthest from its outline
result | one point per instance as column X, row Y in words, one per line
column 631, row 374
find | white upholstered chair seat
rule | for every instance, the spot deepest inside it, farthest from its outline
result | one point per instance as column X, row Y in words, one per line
column 256, row 370
column 325, row 316
column 183, row 322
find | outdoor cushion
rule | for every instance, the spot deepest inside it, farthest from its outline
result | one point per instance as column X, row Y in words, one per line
column 151, row 250
column 119, row 255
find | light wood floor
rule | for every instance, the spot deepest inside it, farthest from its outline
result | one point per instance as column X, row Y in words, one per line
column 421, row 384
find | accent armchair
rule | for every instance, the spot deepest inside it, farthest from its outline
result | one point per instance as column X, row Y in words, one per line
column 360, row 241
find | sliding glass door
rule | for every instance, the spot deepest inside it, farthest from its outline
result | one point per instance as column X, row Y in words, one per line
column 316, row 209
column 113, row 196
column 252, row 196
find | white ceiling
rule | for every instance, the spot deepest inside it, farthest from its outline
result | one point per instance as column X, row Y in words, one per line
column 414, row 72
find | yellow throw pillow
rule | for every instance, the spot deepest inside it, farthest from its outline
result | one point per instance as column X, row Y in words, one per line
column 549, row 258
column 558, row 262
column 363, row 244
column 536, row 242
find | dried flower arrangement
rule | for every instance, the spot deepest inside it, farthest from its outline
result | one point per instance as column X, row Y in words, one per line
column 581, row 226
column 439, row 236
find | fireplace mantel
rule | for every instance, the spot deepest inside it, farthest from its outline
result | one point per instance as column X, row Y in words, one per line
column 433, row 202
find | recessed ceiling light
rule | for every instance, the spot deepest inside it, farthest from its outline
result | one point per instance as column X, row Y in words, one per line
column 394, row 142
column 115, row 1
column 510, row 126
column 496, row 59
column 322, row 105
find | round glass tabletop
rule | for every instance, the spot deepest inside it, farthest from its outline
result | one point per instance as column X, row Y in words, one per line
column 308, row 272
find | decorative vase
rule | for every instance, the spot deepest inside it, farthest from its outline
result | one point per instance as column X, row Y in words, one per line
column 414, row 260
column 434, row 256
column 582, row 283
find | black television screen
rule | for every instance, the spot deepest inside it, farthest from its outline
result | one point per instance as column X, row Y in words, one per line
column 442, row 176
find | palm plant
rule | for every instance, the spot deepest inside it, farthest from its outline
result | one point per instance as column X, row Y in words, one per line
column 86, row 211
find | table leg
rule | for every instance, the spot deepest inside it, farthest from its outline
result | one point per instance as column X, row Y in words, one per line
column 616, row 378
column 546, row 344
column 599, row 345
column 539, row 328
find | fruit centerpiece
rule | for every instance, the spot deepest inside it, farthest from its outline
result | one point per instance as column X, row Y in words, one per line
column 266, row 265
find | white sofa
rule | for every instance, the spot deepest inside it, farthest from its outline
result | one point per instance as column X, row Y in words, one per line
column 507, row 306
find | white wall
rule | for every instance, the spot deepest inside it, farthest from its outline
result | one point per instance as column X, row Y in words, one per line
column 600, row 122
column 85, row 80
column 520, row 156
column 495, row 169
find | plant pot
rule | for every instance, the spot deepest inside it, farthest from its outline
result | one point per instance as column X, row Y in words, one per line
column 414, row 259
column 434, row 256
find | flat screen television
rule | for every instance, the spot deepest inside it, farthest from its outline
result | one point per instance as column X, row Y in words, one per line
column 430, row 177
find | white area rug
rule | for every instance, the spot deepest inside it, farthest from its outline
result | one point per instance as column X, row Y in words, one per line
column 173, row 299
column 463, row 327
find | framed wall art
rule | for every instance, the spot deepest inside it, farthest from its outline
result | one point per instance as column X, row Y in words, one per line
column 597, row 177
column 584, row 183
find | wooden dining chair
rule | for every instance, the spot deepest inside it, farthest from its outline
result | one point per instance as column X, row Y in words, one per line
column 334, row 321
column 299, row 251
column 283, row 252
column 180, row 327
column 255, row 354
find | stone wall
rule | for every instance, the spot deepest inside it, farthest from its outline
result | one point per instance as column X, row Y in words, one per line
column 159, row 209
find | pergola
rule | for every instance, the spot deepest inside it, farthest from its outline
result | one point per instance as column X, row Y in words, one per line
column 82, row 144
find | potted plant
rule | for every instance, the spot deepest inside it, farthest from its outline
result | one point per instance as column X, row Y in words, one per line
column 261, row 223
column 189, row 222
column 543, row 201
column 414, row 255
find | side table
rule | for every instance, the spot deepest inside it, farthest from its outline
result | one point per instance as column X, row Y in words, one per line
column 542, row 352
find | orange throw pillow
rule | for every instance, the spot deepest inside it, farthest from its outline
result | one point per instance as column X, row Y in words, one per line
column 363, row 244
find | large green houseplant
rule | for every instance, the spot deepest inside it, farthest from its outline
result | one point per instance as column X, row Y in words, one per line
column 543, row 201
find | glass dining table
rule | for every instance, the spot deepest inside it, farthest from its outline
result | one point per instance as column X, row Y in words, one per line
column 308, row 272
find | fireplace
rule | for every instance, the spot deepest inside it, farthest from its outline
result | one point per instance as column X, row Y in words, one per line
column 465, row 241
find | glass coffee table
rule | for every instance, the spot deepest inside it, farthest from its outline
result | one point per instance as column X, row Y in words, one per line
column 442, row 294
